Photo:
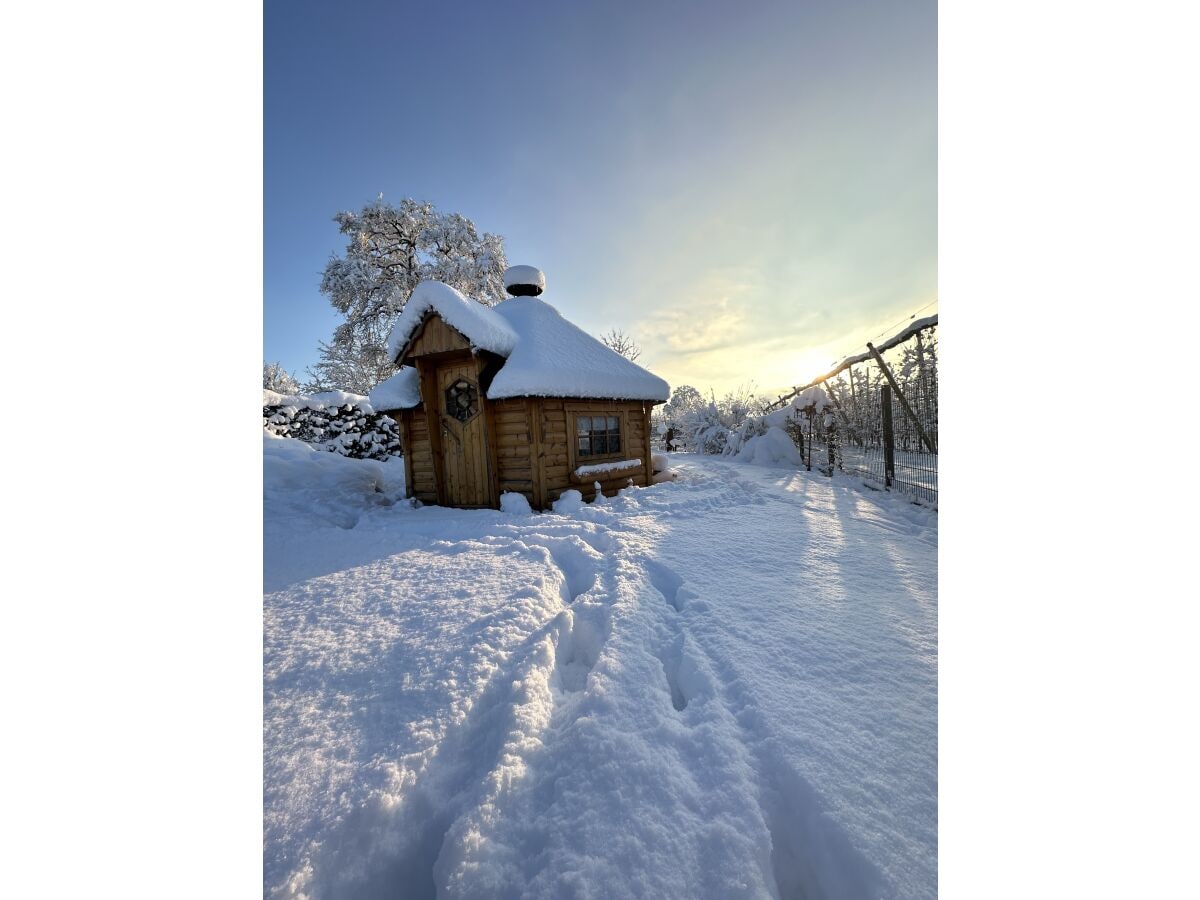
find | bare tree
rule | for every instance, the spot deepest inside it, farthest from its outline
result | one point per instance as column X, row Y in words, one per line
column 278, row 379
column 622, row 343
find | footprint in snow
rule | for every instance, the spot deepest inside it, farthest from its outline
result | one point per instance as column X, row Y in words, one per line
column 666, row 581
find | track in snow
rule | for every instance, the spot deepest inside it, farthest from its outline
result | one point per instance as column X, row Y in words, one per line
column 667, row 694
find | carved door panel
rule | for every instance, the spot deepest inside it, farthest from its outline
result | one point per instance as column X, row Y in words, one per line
column 464, row 437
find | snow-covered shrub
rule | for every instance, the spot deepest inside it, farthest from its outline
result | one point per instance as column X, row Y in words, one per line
column 335, row 421
column 515, row 504
column 707, row 426
column 813, row 398
column 749, row 429
column 568, row 503
column 774, row 447
column 712, row 439
column 777, row 437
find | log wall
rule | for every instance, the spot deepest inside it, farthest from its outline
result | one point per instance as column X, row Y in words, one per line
column 418, row 454
column 513, row 441
column 558, row 450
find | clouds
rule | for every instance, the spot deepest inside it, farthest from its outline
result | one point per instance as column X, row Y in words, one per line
column 733, row 187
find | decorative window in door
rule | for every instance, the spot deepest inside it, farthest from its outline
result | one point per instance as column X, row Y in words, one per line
column 462, row 400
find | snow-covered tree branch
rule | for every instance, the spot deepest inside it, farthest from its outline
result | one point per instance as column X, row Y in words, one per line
column 278, row 379
column 390, row 249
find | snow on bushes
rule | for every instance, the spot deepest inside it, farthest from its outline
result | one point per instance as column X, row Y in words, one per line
column 810, row 398
column 568, row 503
column 766, row 440
column 771, row 448
column 341, row 423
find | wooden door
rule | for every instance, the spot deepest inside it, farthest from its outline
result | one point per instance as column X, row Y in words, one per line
column 463, row 428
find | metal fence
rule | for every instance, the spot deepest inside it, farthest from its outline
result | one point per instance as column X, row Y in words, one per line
column 881, row 419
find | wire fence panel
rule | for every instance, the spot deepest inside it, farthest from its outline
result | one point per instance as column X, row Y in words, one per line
column 870, row 431
column 873, row 416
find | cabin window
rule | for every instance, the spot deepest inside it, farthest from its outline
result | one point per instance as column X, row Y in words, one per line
column 597, row 435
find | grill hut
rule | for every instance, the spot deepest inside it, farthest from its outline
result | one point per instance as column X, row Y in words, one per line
column 512, row 398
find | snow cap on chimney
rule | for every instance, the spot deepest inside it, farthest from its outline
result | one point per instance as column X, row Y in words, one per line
column 524, row 281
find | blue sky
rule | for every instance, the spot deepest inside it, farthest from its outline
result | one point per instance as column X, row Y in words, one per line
column 748, row 189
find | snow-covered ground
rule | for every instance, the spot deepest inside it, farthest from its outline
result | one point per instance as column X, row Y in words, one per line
column 721, row 686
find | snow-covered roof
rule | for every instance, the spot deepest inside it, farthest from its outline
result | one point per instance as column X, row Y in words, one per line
column 547, row 356
column 554, row 358
column 401, row 391
column 472, row 320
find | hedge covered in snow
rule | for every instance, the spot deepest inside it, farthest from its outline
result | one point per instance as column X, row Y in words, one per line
column 335, row 421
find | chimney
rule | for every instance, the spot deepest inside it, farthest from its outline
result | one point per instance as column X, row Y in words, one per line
column 524, row 281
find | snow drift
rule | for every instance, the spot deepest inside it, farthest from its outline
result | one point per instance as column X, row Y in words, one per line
column 724, row 686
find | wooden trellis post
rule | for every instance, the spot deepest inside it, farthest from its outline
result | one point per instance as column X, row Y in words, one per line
column 889, row 441
column 900, row 396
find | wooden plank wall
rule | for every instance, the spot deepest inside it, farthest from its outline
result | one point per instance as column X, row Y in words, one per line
column 510, row 419
column 435, row 336
column 556, row 460
column 423, row 486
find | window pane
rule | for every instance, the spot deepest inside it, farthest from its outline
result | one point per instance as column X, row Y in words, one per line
column 602, row 443
column 585, row 446
column 583, row 424
column 614, row 442
column 612, row 423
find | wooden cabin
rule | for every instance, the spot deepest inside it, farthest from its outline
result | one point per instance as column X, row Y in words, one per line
column 513, row 398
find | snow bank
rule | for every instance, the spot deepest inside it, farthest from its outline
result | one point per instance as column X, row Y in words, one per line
column 302, row 483
column 553, row 358
column 725, row 687
column 476, row 322
column 401, row 391
column 772, row 448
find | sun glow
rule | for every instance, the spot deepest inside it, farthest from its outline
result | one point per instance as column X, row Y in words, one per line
column 811, row 363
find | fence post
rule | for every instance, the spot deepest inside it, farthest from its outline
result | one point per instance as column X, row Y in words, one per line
column 806, row 452
column 883, row 367
column 889, row 444
column 830, row 452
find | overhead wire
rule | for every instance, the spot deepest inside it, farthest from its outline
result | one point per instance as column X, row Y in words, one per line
column 889, row 330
